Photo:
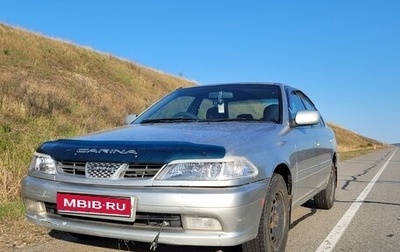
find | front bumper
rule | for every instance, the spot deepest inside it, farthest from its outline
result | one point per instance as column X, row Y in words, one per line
column 237, row 209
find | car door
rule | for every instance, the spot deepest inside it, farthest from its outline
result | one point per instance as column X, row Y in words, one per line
column 323, row 146
column 304, row 143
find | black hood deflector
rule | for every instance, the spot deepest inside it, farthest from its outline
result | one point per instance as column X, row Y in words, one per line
column 154, row 152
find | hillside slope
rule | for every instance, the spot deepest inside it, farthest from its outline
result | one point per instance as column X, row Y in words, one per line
column 350, row 141
column 51, row 89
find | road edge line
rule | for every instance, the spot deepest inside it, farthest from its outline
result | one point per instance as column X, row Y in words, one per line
column 334, row 236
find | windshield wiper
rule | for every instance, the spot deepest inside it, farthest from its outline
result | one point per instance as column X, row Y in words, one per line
column 169, row 120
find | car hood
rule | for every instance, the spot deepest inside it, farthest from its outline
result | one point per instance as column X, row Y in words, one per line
column 159, row 143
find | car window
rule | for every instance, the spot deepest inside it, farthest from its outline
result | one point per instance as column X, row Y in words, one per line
column 299, row 101
column 295, row 104
column 230, row 102
column 251, row 109
column 180, row 104
column 205, row 105
column 321, row 121
column 310, row 106
column 306, row 101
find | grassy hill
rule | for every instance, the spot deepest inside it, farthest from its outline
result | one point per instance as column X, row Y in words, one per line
column 51, row 89
column 351, row 144
column 350, row 141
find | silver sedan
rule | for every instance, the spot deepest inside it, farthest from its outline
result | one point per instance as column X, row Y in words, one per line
column 211, row 165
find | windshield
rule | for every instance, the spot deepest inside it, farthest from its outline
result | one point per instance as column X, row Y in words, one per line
column 247, row 102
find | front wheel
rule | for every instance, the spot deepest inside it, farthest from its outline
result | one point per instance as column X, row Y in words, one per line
column 274, row 223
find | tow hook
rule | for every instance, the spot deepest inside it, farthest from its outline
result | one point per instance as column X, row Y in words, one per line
column 154, row 244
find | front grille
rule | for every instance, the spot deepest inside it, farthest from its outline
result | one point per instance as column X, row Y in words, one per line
column 142, row 219
column 142, row 171
column 106, row 170
column 101, row 170
column 73, row 168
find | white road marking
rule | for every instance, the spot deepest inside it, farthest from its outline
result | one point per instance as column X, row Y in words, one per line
column 333, row 237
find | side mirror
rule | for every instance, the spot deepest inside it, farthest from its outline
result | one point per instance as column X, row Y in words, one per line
column 130, row 118
column 306, row 117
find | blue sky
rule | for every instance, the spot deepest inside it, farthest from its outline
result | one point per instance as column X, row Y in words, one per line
column 344, row 54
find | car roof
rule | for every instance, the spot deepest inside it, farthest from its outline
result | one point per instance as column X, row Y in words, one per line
column 281, row 85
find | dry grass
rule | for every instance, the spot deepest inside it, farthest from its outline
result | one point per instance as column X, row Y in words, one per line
column 51, row 89
column 349, row 141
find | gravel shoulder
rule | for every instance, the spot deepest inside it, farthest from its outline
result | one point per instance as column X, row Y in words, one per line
column 20, row 233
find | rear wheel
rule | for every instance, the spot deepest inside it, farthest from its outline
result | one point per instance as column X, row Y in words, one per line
column 326, row 198
column 274, row 223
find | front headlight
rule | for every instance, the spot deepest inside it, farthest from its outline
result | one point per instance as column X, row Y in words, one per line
column 42, row 163
column 208, row 170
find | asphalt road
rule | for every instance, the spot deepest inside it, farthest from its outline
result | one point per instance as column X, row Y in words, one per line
column 365, row 217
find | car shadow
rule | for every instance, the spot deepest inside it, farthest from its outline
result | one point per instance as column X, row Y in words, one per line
column 313, row 210
column 127, row 245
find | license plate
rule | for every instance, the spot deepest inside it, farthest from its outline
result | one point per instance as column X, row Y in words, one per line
column 95, row 205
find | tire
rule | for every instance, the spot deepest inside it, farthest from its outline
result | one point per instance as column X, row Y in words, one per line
column 274, row 223
column 326, row 198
